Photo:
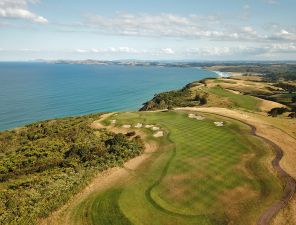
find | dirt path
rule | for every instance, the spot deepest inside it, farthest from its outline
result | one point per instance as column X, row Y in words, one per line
column 103, row 180
column 290, row 183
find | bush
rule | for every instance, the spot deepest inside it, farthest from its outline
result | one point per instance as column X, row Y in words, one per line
column 130, row 134
column 171, row 99
column 292, row 115
column 44, row 164
column 274, row 112
column 203, row 100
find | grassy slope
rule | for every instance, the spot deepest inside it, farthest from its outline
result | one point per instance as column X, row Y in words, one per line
column 195, row 178
column 238, row 101
column 216, row 92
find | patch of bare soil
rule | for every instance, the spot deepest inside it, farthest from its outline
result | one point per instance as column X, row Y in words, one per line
column 103, row 180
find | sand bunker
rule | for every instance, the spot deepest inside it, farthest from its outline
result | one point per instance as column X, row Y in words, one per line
column 219, row 124
column 158, row 134
column 193, row 116
column 155, row 128
column 149, row 126
column 113, row 121
column 138, row 125
column 126, row 126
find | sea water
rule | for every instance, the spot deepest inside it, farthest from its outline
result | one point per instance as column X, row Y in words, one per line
column 31, row 92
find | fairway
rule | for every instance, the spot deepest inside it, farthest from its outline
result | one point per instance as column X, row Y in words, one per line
column 200, row 174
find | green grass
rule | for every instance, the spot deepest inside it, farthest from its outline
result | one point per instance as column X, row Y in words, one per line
column 90, row 210
column 240, row 101
column 187, row 179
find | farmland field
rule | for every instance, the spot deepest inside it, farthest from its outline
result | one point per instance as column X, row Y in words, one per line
column 200, row 174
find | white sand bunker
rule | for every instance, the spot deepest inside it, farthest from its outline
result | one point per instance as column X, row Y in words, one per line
column 149, row 126
column 138, row 125
column 126, row 126
column 155, row 128
column 113, row 121
column 219, row 124
column 158, row 134
column 193, row 116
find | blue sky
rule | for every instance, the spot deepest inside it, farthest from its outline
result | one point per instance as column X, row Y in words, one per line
column 141, row 29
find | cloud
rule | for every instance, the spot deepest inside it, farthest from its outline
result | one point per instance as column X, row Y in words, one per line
column 283, row 48
column 190, row 27
column 278, row 48
column 155, row 25
column 272, row 2
column 209, row 52
column 112, row 50
column 18, row 9
column 81, row 50
column 168, row 51
column 127, row 50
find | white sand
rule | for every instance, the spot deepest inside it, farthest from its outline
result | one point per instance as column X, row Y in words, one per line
column 158, row 134
column 193, row 116
column 138, row 125
column 149, row 126
column 113, row 121
column 126, row 126
column 155, row 128
column 219, row 124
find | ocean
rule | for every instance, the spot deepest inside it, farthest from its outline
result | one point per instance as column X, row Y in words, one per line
column 31, row 92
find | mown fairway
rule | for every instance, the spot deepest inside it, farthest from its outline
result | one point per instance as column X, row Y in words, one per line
column 201, row 174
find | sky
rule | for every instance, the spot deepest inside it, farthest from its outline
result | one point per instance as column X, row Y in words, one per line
column 147, row 30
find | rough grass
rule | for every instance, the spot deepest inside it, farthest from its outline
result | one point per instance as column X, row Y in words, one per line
column 198, row 176
column 240, row 101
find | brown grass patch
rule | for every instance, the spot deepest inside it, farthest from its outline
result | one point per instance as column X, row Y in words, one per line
column 175, row 186
column 230, row 199
column 241, row 166
column 266, row 105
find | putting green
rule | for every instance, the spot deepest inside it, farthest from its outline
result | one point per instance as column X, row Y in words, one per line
column 201, row 174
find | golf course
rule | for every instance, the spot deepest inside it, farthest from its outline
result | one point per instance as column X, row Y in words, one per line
column 205, row 169
column 211, row 153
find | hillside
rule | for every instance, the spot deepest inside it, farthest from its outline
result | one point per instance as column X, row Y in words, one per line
column 43, row 164
column 249, row 93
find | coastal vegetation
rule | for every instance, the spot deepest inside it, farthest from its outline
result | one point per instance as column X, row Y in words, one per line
column 43, row 164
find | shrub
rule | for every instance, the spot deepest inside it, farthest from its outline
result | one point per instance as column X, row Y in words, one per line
column 292, row 115
column 274, row 112
column 130, row 134
column 44, row 164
